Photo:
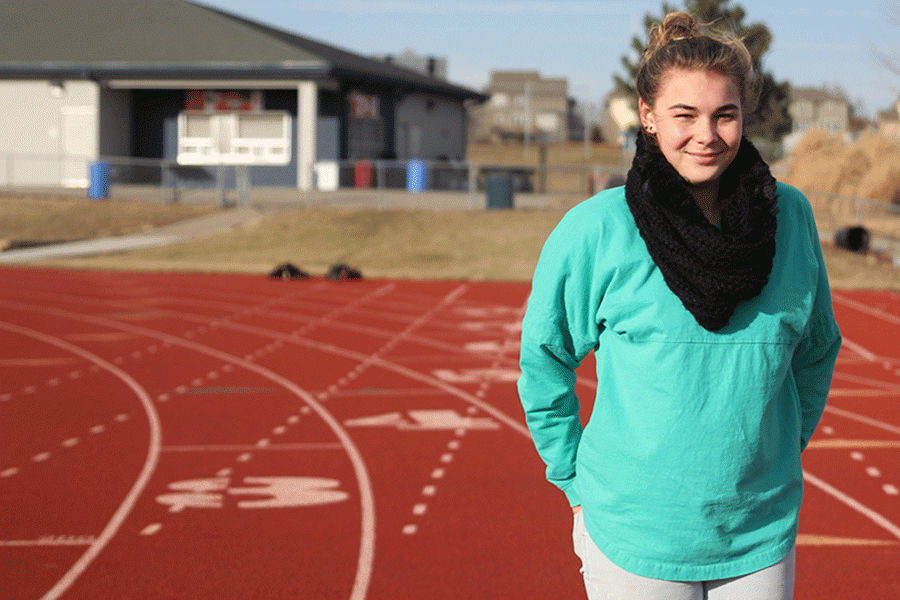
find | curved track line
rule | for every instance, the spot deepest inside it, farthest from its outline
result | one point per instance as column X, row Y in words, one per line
column 367, row 502
column 328, row 348
column 877, row 518
column 862, row 419
column 853, row 346
column 865, row 308
column 143, row 477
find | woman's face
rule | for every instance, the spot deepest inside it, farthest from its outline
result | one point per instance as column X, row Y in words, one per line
column 698, row 121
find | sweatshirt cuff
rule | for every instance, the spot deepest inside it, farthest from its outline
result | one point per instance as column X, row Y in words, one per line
column 573, row 496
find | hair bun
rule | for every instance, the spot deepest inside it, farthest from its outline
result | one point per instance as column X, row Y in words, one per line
column 676, row 26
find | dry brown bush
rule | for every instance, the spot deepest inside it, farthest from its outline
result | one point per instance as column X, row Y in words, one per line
column 866, row 168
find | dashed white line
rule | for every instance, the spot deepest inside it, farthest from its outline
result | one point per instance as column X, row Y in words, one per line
column 429, row 490
column 420, row 509
column 151, row 529
column 890, row 490
column 437, row 473
column 9, row 472
column 857, row 456
column 873, row 472
column 70, row 442
column 40, row 457
column 410, row 529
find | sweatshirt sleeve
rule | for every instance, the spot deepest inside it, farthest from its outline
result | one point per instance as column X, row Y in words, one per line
column 815, row 355
column 558, row 331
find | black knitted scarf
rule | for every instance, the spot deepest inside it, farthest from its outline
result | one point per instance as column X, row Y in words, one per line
column 710, row 269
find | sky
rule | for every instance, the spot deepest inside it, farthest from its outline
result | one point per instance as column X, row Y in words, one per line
column 815, row 42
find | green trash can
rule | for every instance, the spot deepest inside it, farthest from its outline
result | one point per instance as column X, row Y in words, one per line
column 499, row 190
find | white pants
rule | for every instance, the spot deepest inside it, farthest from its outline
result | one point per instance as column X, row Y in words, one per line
column 606, row 581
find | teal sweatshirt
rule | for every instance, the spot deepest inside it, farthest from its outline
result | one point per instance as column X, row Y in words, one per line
column 689, row 467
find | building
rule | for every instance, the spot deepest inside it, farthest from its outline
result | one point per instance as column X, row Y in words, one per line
column 888, row 122
column 817, row 108
column 433, row 66
column 522, row 106
column 620, row 118
column 180, row 81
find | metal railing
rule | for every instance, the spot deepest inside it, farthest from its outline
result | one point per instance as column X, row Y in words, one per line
column 169, row 181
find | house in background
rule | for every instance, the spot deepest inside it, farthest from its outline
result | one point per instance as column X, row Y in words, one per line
column 888, row 122
column 433, row 66
column 522, row 106
column 180, row 81
column 620, row 118
column 817, row 108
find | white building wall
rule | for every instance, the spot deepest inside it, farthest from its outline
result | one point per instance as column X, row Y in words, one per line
column 49, row 132
column 430, row 128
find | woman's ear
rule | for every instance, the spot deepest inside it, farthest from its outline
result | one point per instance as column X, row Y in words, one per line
column 648, row 122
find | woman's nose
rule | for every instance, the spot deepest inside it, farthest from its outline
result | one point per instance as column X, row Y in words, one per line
column 705, row 131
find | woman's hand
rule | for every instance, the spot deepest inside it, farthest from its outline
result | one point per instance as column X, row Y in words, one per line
column 576, row 509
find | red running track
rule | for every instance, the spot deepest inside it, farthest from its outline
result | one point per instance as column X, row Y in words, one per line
column 223, row 436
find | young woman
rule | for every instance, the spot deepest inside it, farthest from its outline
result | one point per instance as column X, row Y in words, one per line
column 701, row 288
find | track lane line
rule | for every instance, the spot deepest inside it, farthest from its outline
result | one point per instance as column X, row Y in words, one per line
column 365, row 560
column 143, row 477
column 859, row 507
column 864, row 308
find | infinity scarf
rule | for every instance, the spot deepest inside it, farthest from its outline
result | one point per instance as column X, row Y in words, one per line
column 710, row 269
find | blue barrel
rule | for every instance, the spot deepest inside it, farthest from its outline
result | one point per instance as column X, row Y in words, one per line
column 416, row 172
column 99, row 186
column 499, row 191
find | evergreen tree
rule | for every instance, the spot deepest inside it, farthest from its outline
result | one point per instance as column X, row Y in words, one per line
column 770, row 120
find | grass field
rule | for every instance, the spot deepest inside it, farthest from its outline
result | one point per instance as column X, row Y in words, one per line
column 475, row 245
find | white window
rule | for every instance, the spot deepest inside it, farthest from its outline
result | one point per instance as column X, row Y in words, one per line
column 239, row 138
column 500, row 99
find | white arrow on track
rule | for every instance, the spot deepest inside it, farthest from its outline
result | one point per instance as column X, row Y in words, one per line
column 424, row 420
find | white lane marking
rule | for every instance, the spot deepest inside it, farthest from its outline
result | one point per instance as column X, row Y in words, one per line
column 52, row 540
column 890, row 490
column 143, row 477
column 863, row 419
column 877, row 518
column 864, row 308
column 409, row 529
column 365, row 559
column 854, row 347
column 151, row 529
column 420, row 509
column 873, row 472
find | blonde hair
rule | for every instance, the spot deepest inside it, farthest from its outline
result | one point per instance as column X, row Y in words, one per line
column 681, row 43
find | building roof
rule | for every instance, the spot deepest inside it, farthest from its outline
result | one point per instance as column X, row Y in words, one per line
column 145, row 39
column 815, row 95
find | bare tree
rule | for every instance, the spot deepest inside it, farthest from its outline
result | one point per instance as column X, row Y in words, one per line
column 888, row 60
